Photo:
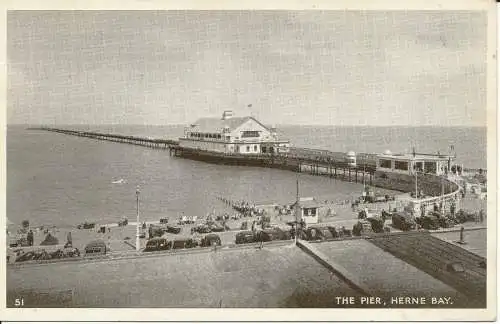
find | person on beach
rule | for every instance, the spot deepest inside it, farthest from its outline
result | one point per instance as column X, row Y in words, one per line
column 69, row 240
column 452, row 209
column 30, row 238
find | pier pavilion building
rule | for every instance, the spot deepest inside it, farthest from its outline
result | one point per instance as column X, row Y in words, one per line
column 435, row 164
column 240, row 135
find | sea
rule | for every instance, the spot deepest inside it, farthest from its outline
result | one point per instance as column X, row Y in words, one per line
column 62, row 180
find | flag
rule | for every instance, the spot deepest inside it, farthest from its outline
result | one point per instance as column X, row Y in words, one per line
column 250, row 105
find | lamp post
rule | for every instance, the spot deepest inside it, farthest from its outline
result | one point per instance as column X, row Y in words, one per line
column 137, row 234
column 298, row 214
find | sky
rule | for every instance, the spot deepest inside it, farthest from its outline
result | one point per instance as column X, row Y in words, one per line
column 416, row 68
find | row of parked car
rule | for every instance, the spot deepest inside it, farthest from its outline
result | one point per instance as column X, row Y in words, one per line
column 162, row 243
column 44, row 255
column 312, row 233
column 431, row 221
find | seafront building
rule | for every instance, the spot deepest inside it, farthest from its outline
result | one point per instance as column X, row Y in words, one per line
column 309, row 210
column 436, row 164
column 236, row 135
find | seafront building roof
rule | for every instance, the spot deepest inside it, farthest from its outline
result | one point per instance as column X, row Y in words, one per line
column 217, row 125
column 417, row 156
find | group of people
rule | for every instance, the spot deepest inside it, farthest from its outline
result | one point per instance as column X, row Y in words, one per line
column 243, row 207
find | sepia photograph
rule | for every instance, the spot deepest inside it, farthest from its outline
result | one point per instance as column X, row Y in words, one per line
column 243, row 159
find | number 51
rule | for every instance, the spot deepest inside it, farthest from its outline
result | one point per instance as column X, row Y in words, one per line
column 19, row 302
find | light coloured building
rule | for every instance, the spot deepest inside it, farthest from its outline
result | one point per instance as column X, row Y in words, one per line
column 244, row 135
column 436, row 164
column 309, row 210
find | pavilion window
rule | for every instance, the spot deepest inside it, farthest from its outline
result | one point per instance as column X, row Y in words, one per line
column 386, row 164
column 430, row 167
column 246, row 134
column 401, row 165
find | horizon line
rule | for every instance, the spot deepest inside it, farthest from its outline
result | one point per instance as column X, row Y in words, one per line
column 286, row 125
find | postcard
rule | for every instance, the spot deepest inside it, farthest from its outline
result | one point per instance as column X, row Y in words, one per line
column 250, row 161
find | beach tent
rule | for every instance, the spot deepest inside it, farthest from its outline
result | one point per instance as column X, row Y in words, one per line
column 50, row 240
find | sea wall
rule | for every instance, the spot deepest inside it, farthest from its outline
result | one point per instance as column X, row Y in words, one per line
column 438, row 190
column 431, row 185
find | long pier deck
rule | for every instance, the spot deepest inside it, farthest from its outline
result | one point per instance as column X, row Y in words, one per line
column 316, row 162
column 136, row 140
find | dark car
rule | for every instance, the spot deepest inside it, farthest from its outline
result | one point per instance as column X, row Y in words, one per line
column 157, row 244
column 283, row 234
column 202, row 229
column 97, row 247
column 403, row 222
column 446, row 222
column 210, row 240
column 183, row 243
column 217, row 228
column 333, row 231
column 267, row 235
column 163, row 220
column 245, row 237
column 156, row 231
column 377, row 224
column 173, row 229
column 428, row 222
column 318, row 233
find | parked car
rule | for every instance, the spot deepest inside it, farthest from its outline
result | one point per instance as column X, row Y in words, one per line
column 157, row 244
column 210, row 240
column 156, row 231
column 163, row 220
column 97, row 247
column 266, row 235
column 183, row 243
column 333, row 231
column 316, row 233
column 202, row 229
column 283, row 234
column 428, row 222
column 245, row 237
column 173, row 229
column 363, row 227
column 217, row 228
column 377, row 224
column 403, row 221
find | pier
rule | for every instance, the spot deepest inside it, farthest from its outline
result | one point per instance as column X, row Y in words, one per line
column 135, row 140
column 315, row 162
